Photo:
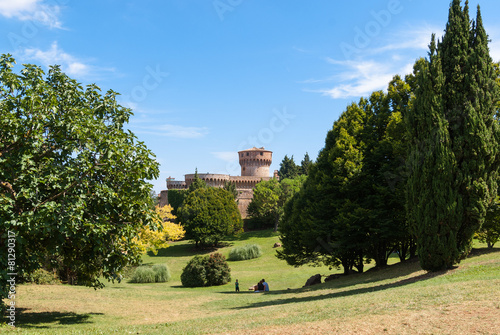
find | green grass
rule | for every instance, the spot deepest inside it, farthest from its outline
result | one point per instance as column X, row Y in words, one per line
column 401, row 299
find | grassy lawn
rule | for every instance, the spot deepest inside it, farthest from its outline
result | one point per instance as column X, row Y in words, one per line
column 401, row 299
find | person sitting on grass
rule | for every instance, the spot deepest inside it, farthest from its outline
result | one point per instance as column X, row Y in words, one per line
column 259, row 287
column 266, row 285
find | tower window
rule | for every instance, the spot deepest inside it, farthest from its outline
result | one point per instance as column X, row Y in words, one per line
column 261, row 153
column 247, row 154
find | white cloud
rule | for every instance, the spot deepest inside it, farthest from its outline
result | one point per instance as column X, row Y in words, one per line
column 32, row 10
column 170, row 130
column 371, row 69
column 70, row 64
column 360, row 78
column 227, row 156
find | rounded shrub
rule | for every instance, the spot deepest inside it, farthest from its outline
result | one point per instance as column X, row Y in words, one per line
column 217, row 270
column 194, row 274
column 162, row 274
column 248, row 251
column 206, row 271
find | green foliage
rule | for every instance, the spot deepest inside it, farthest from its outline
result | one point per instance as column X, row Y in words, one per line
column 143, row 274
column 197, row 183
column 194, row 273
column 208, row 270
column 209, row 214
column 455, row 143
column 269, row 199
column 43, row 277
column 305, row 165
column 231, row 188
column 217, row 270
column 245, row 252
column 175, row 199
column 146, row 274
column 162, row 274
column 288, row 168
column 490, row 230
column 351, row 207
column 72, row 176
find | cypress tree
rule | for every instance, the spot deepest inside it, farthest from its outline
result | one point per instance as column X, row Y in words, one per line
column 431, row 198
column 305, row 164
column 288, row 168
column 469, row 106
column 453, row 128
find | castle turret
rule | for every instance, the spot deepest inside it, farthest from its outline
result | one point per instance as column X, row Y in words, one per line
column 255, row 162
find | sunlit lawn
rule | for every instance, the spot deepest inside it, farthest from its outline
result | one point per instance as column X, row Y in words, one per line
column 401, row 299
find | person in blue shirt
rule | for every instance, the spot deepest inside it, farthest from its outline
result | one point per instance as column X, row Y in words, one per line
column 266, row 285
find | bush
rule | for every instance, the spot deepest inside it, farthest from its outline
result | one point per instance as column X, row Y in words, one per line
column 143, row 274
column 248, row 251
column 217, row 270
column 162, row 274
column 146, row 274
column 43, row 277
column 194, row 274
column 206, row 271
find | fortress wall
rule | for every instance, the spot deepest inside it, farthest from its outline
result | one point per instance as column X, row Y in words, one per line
column 244, row 199
column 163, row 198
column 212, row 179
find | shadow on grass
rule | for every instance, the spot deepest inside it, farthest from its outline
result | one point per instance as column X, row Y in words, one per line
column 189, row 249
column 27, row 319
column 482, row 251
column 181, row 250
column 252, row 234
column 346, row 293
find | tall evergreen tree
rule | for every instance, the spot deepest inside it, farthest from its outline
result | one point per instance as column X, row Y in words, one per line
column 288, row 168
column 431, row 197
column 455, row 141
column 305, row 165
column 197, row 183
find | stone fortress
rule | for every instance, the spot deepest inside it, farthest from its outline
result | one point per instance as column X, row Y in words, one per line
column 254, row 162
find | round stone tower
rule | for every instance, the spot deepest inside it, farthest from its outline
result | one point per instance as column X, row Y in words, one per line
column 255, row 162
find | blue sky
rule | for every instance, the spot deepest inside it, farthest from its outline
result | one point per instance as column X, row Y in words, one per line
column 208, row 78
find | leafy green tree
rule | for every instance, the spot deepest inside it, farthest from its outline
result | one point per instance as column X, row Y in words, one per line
column 456, row 138
column 351, row 207
column 324, row 221
column 265, row 202
column 209, row 214
column 288, row 168
column 305, row 164
column 72, row 179
column 490, row 230
column 270, row 197
column 395, row 139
